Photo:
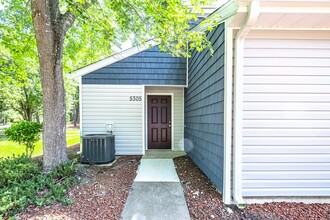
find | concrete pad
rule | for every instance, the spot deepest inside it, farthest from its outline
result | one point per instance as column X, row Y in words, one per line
column 157, row 170
column 162, row 154
column 155, row 201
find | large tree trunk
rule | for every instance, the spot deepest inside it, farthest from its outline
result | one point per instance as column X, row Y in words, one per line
column 50, row 29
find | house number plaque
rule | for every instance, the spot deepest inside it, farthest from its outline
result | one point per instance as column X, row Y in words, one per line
column 135, row 98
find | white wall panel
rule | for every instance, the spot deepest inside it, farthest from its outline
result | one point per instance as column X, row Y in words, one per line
column 103, row 104
column 285, row 167
column 286, row 118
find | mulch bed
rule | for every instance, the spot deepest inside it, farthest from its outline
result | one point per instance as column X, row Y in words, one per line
column 204, row 201
column 72, row 152
column 101, row 194
column 103, row 191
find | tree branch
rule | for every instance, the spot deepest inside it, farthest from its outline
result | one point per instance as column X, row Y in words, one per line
column 66, row 21
column 54, row 11
column 143, row 19
column 68, row 18
column 136, row 11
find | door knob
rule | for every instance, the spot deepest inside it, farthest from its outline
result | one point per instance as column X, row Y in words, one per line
column 169, row 125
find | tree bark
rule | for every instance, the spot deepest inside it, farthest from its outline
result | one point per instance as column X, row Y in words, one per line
column 27, row 105
column 37, row 116
column 50, row 29
column 74, row 112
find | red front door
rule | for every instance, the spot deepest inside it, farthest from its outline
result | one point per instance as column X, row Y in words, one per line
column 159, row 122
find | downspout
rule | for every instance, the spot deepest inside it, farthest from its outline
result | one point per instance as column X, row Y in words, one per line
column 187, row 65
column 228, row 102
column 80, row 111
column 250, row 21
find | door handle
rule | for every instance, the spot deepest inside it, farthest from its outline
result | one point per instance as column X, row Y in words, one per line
column 169, row 126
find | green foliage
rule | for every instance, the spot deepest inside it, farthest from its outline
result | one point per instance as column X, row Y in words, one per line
column 4, row 107
column 106, row 24
column 15, row 169
column 26, row 133
column 23, row 96
column 102, row 28
column 9, row 148
column 24, row 184
column 19, row 70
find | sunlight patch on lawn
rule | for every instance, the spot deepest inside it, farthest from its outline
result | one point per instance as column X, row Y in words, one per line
column 9, row 148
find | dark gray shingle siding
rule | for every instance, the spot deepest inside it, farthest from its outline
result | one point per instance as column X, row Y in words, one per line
column 150, row 67
column 204, row 108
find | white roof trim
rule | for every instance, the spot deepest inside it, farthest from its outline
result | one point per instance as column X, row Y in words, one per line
column 209, row 9
column 290, row 12
column 113, row 59
column 220, row 15
column 296, row 10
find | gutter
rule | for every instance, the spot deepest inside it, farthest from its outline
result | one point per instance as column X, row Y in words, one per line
column 187, row 66
column 228, row 102
column 218, row 16
column 250, row 21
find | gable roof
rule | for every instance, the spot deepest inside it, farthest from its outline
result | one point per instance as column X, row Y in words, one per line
column 112, row 59
column 226, row 10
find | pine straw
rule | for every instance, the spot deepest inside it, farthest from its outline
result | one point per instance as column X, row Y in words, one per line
column 204, row 201
column 101, row 194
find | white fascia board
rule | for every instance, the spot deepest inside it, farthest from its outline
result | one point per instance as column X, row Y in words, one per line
column 296, row 10
column 226, row 11
column 209, row 9
column 283, row 7
column 113, row 59
column 287, row 3
column 289, row 29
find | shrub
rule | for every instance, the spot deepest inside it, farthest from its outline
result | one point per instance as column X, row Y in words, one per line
column 16, row 169
column 26, row 133
column 24, row 183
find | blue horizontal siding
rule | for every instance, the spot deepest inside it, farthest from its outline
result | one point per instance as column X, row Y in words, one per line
column 147, row 67
column 204, row 108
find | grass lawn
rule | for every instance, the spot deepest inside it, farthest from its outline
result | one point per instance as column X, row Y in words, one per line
column 8, row 148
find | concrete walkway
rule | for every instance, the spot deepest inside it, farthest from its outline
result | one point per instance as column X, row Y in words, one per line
column 156, row 193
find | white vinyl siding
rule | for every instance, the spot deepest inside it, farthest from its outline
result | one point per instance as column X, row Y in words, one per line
column 103, row 104
column 286, row 118
column 177, row 114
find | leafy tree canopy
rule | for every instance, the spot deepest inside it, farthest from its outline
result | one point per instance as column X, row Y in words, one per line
column 100, row 26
